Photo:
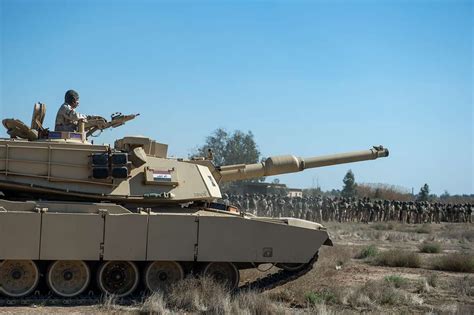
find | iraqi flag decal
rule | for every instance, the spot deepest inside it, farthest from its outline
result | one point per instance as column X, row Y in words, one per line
column 161, row 176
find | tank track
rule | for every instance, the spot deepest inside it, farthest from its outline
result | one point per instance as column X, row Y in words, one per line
column 279, row 278
column 81, row 300
column 266, row 283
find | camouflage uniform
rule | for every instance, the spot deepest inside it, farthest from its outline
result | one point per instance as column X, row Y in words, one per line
column 67, row 118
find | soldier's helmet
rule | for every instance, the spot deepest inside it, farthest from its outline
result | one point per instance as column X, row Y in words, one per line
column 71, row 96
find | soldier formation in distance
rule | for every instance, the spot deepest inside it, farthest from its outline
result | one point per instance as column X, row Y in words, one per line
column 338, row 209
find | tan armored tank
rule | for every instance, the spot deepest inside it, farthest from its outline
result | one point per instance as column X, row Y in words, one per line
column 81, row 217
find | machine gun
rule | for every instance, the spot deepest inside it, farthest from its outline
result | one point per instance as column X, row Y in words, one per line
column 98, row 123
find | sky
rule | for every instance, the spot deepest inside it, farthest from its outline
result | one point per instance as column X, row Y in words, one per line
column 306, row 77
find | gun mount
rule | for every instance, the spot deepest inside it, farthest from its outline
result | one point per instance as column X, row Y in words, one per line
column 98, row 123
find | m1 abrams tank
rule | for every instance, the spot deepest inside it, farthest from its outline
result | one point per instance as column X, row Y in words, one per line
column 78, row 218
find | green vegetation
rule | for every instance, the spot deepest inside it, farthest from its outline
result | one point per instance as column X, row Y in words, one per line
column 430, row 248
column 235, row 148
column 424, row 193
column 455, row 262
column 325, row 296
column 396, row 280
column 367, row 252
column 398, row 258
column 350, row 186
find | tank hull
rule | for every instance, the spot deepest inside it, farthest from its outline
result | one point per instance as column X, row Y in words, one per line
column 191, row 238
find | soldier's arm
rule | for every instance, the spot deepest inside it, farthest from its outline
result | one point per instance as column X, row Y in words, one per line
column 71, row 115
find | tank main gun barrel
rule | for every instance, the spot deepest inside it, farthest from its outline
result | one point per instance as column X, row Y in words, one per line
column 290, row 164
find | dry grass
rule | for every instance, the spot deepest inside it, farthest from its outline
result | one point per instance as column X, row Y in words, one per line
column 383, row 226
column 376, row 293
column 155, row 304
column 462, row 233
column 456, row 262
column 203, row 295
column 398, row 258
column 464, row 286
column 109, row 303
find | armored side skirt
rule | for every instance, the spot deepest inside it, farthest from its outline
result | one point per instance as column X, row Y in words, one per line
column 28, row 232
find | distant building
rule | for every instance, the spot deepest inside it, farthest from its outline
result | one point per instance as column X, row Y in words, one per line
column 295, row 192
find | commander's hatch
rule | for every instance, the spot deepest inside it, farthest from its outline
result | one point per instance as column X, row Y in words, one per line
column 18, row 129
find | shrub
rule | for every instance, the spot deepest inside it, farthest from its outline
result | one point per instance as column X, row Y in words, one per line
column 455, row 262
column 398, row 258
column 396, row 280
column 382, row 227
column 369, row 251
column 325, row 296
column 424, row 229
column 430, row 248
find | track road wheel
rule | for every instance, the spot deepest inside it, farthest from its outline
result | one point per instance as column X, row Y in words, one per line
column 68, row 278
column 291, row 266
column 159, row 275
column 18, row 277
column 223, row 272
column 118, row 278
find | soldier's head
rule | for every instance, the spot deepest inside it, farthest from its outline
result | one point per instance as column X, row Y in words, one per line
column 72, row 98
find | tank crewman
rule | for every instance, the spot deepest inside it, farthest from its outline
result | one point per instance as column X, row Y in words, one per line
column 67, row 117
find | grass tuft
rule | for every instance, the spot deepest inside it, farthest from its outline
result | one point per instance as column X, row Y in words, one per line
column 455, row 262
column 433, row 280
column 109, row 302
column 154, row 304
column 430, row 248
column 396, row 280
column 375, row 293
column 367, row 252
column 398, row 258
column 325, row 296
column 424, row 229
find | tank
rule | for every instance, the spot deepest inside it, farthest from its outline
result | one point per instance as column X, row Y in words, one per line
column 81, row 219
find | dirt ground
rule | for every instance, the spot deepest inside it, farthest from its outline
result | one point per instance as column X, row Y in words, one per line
column 342, row 283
